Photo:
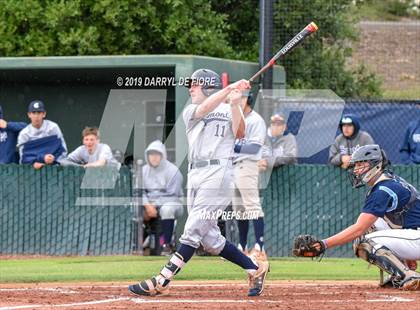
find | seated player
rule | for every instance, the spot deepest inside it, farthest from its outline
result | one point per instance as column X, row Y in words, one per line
column 394, row 249
column 410, row 148
column 41, row 142
column 162, row 192
column 92, row 153
column 279, row 149
column 8, row 137
column 348, row 141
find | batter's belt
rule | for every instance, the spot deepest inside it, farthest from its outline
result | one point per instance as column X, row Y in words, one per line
column 205, row 163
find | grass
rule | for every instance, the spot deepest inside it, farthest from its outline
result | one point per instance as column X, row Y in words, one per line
column 403, row 94
column 134, row 268
column 383, row 10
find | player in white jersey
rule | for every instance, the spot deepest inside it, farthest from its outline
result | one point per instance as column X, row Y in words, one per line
column 246, row 202
column 92, row 153
column 46, row 133
column 212, row 126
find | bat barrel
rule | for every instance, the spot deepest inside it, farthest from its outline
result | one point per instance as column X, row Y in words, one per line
column 297, row 39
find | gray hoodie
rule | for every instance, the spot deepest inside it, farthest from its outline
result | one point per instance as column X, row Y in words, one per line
column 346, row 146
column 281, row 150
column 161, row 184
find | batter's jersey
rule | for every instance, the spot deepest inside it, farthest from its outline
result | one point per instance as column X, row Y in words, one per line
column 210, row 137
column 388, row 198
column 255, row 132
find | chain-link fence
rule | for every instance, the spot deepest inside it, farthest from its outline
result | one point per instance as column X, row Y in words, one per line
column 38, row 214
column 355, row 38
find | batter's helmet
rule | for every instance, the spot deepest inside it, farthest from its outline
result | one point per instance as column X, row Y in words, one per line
column 372, row 154
column 209, row 81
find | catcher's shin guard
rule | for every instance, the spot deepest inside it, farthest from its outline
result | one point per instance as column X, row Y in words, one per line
column 382, row 257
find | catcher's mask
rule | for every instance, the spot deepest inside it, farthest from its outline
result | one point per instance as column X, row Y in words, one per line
column 209, row 81
column 376, row 160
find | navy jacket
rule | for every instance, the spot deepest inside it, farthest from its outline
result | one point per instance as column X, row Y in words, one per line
column 35, row 150
column 410, row 148
column 8, row 139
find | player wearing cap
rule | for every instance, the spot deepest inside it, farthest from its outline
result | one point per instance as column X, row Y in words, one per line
column 41, row 142
column 279, row 148
column 212, row 126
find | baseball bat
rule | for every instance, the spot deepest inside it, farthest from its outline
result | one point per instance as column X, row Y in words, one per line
column 297, row 39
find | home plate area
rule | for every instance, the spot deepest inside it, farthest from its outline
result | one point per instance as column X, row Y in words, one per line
column 205, row 295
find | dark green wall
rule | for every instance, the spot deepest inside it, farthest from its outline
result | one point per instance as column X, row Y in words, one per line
column 74, row 98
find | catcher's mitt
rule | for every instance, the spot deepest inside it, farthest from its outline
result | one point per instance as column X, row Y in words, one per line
column 305, row 245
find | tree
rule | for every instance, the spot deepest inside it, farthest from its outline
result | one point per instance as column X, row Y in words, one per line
column 106, row 27
column 227, row 29
column 321, row 61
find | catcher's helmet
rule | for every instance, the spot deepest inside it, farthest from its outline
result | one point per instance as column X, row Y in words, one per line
column 372, row 154
column 209, row 81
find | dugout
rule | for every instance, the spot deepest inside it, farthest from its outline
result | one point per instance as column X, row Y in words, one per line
column 76, row 89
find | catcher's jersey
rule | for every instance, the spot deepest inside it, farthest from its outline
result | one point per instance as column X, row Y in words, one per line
column 210, row 137
column 388, row 198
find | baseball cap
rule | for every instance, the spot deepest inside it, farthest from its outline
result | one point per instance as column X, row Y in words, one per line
column 36, row 106
column 278, row 118
column 346, row 120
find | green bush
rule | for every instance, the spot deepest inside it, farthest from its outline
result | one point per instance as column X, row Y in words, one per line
column 322, row 60
column 96, row 27
column 227, row 29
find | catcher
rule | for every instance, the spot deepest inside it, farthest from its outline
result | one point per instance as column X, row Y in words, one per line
column 396, row 247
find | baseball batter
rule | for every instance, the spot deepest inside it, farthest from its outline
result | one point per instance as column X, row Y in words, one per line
column 396, row 246
column 212, row 126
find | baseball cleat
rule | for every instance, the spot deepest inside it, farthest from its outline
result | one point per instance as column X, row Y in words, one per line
column 256, row 281
column 150, row 287
column 411, row 284
column 389, row 282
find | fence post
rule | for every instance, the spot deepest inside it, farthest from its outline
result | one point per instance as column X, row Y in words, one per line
column 138, row 206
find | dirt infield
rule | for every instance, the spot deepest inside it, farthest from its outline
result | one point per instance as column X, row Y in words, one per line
column 206, row 295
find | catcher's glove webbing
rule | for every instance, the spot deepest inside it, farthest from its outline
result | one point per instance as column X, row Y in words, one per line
column 304, row 245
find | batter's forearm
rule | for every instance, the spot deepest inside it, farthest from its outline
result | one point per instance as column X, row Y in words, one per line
column 212, row 102
column 238, row 121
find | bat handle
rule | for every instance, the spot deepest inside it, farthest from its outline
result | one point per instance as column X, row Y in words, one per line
column 263, row 69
